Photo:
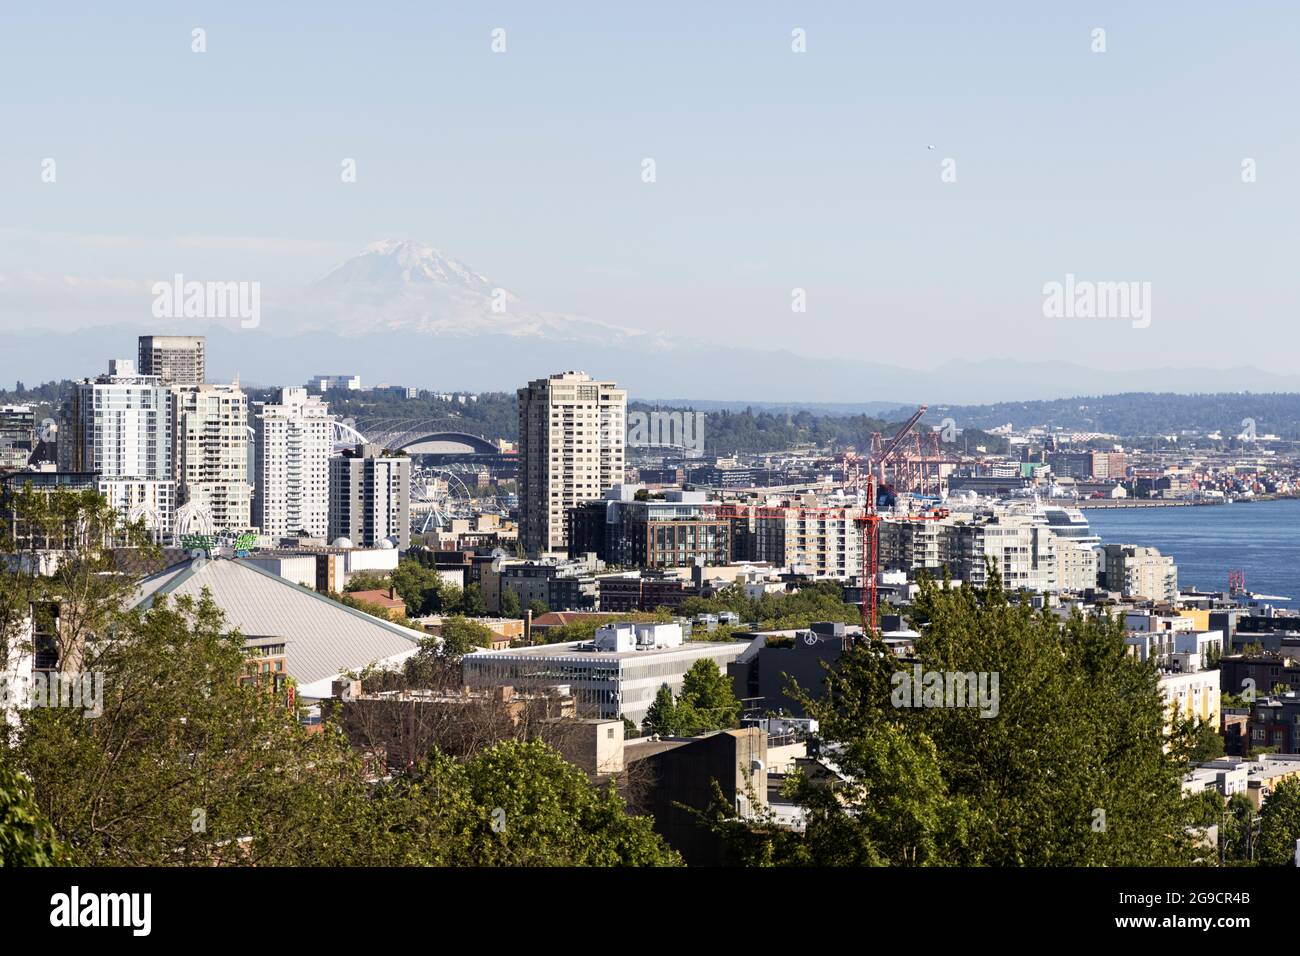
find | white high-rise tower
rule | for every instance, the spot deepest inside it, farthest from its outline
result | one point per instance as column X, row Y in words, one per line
column 210, row 452
column 120, row 425
column 292, row 441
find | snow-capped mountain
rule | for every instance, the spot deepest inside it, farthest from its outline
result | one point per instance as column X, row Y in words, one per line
column 407, row 313
column 403, row 286
column 392, row 262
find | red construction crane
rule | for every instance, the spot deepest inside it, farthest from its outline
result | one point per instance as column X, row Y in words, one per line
column 870, row 523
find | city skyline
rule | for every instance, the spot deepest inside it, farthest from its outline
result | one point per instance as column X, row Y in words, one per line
column 741, row 435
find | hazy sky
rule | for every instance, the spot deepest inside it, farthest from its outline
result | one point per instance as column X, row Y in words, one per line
column 775, row 169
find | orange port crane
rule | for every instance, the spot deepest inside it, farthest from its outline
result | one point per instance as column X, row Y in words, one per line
column 880, row 453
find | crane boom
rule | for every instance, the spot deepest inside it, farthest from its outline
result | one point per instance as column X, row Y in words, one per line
column 897, row 440
column 881, row 453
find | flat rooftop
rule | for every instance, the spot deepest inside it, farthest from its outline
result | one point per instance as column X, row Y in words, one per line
column 583, row 650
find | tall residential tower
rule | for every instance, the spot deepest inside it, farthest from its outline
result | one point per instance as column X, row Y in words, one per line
column 292, row 441
column 370, row 498
column 571, row 434
column 176, row 359
column 210, row 451
column 120, row 425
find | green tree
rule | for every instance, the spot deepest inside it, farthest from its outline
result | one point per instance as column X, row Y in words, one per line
column 460, row 637
column 709, row 695
column 471, row 604
column 1064, row 765
column 1206, row 742
column 661, row 718
column 367, row 581
column 820, row 601
column 72, row 533
column 419, row 586
column 514, row 804
column 538, row 608
column 1238, row 831
column 186, row 764
column 510, row 604
column 1279, row 826
column 26, row 838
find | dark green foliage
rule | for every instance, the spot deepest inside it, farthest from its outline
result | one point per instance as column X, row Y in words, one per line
column 514, row 804
column 661, row 718
column 1279, row 827
column 1206, row 742
column 471, row 603
column 708, row 694
column 510, row 604
column 820, row 601
column 1071, row 771
column 26, row 838
column 188, row 764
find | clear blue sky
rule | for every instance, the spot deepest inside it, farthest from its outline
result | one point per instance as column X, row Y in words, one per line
column 775, row 169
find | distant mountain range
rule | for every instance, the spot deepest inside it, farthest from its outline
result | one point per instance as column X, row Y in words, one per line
column 404, row 313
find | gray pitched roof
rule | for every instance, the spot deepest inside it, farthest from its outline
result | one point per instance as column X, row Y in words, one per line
column 322, row 637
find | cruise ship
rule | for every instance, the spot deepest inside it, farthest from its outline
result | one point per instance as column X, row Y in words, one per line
column 1071, row 524
column 1065, row 522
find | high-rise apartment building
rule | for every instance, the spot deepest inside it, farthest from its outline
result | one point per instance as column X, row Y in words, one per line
column 120, row 425
column 370, row 498
column 1138, row 572
column 210, row 453
column 17, row 435
column 1077, row 554
column 1019, row 547
column 571, row 435
column 817, row 541
column 292, row 441
column 672, row 531
column 176, row 359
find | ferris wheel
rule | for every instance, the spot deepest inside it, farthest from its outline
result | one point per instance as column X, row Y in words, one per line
column 437, row 496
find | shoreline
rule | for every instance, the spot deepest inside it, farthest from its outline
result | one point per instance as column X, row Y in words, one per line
column 1111, row 503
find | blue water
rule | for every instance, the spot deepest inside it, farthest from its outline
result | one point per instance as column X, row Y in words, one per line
column 1206, row 542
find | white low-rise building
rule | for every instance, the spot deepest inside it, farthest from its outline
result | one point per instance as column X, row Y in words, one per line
column 621, row 681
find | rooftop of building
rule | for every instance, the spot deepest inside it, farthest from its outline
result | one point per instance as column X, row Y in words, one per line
column 322, row 637
column 1265, row 767
column 380, row 597
column 561, row 618
column 585, row 650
